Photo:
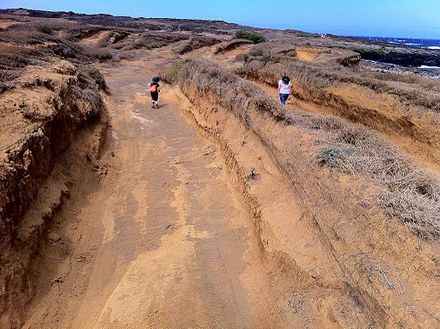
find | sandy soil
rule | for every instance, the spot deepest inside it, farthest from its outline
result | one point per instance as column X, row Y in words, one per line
column 191, row 219
column 94, row 38
column 163, row 241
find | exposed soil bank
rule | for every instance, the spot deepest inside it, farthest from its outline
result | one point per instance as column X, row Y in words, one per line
column 48, row 109
column 373, row 262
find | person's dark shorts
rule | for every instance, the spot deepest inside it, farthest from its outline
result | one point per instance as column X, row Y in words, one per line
column 154, row 96
column 284, row 98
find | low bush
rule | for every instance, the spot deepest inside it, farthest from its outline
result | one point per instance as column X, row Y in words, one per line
column 90, row 73
column 13, row 59
column 25, row 35
column 250, row 35
column 66, row 50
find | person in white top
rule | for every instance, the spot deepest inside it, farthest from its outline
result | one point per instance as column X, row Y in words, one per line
column 284, row 89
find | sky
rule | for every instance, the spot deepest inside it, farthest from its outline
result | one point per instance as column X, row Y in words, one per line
column 380, row 18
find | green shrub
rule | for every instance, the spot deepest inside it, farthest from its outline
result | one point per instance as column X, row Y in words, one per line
column 250, row 35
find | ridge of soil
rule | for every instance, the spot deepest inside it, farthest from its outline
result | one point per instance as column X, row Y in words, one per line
column 39, row 165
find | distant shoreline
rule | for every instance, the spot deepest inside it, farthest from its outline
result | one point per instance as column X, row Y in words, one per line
column 430, row 44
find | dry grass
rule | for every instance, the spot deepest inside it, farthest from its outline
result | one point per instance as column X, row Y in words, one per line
column 410, row 194
column 195, row 43
column 231, row 45
column 98, row 54
column 30, row 44
column 407, row 193
column 89, row 76
column 79, row 33
column 25, row 35
column 13, row 59
column 150, row 40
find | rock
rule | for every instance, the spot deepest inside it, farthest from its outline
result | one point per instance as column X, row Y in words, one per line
column 53, row 237
column 58, row 279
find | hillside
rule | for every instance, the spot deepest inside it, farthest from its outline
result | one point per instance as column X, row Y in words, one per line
column 221, row 208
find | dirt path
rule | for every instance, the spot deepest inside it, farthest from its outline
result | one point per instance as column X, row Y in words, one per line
column 163, row 241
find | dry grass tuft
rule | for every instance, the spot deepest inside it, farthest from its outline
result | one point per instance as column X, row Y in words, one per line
column 410, row 194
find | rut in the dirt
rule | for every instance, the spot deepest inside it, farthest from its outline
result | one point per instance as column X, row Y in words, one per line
column 177, row 248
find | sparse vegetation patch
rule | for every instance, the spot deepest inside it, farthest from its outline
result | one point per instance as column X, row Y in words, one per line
column 255, row 37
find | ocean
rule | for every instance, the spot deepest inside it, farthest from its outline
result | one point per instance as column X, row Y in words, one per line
column 430, row 44
column 415, row 43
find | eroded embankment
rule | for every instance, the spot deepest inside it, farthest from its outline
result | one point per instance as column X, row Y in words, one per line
column 49, row 107
column 354, row 264
column 405, row 108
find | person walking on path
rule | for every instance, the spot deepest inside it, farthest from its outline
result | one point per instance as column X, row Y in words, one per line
column 284, row 89
column 154, row 92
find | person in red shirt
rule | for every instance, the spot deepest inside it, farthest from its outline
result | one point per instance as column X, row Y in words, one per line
column 154, row 92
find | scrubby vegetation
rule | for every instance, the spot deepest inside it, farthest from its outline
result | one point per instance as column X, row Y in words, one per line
column 13, row 59
column 23, row 46
column 250, row 35
column 30, row 44
column 151, row 24
column 342, row 174
column 374, row 54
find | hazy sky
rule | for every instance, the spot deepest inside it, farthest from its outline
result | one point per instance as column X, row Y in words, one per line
column 397, row 18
